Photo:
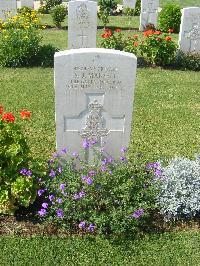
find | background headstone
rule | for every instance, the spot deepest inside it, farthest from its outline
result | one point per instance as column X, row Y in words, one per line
column 82, row 24
column 27, row 3
column 149, row 13
column 129, row 3
column 189, row 36
column 94, row 90
column 7, row 6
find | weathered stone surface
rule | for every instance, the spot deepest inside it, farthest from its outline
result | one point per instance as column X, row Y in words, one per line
column 149, row 13
column 28, row 3
column 82, row 24
column 94, row 98
column 7, row 6
column 129, row 3
column 189, row 36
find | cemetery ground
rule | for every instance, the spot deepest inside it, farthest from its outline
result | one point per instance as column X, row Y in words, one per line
column 165, row 123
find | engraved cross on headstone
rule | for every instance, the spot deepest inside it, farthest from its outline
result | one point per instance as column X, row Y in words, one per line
column 83, row 42
column 93, row 126
column 194, row 36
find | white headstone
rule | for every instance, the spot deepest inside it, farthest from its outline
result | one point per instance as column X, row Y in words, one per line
column 7, row 6
column 27, row 3
column 82, row 24
column 149, row 13
column 94, row 90
column 189, row 36
column 129, row 3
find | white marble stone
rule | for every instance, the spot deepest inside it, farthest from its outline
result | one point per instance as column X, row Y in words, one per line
column 129, row 3
column 7, row 6
column 27, row 3
column 94, row 90
column 189, row 36
column 149, row 13
column 82, row 24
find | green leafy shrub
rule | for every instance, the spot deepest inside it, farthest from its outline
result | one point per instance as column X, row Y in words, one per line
column 128, row 11
column 18, row 47
column 170, row 18
column 137, row 8
column 132, row 44
column 58, row 14
column 52, row 3
column 106, row 8
column 17, row 184
column 108, row 197
column 190, row 61
column 45, row 56
column 112, row 39
column 158, row 48
column 25, row 10
column 43, row 9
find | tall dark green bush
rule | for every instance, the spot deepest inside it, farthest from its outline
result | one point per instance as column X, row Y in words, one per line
column 170, row 18
column 52, row 3
column 137, row 8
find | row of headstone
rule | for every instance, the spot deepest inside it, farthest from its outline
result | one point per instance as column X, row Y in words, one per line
column 94, row 88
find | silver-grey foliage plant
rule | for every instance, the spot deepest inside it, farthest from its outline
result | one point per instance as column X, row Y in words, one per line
column 179, row 189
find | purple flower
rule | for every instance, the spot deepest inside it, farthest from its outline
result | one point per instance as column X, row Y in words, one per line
column 45, row 205
column 55, row 155
column 39, row 180
column 91, row 228
column 103, row 168
column 60, row 169
column 26, row 172
column 158, row 173
column 86, row 144
column 83, row 177
column 93, row 142
column 137, row 213
column 123, row 159
column 62, row 186
column 40, row 192
column 75, row 154
column 64, row 151
column 82, row 225
column 92, row 173
column 123, row 149
column 89, row 181
column 59, row 200
column 59, row 213
column 52, row 173
column 51, row 161
column 42, row 212
column 155, row 165
column 51, row 197
column 110, row 159
column 102, row 149
column 105, row 161
column 81, row 194
column 110, row 172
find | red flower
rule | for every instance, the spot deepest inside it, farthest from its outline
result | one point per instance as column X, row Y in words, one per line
column 1, row 109
column 168, row 38
column 135, row 36
column 135, row 44
column 25, row 114
column 170, row 30
column 106, row 35
column 8, row 117
column 157, row 32
column 148, row 33
column 117, row 30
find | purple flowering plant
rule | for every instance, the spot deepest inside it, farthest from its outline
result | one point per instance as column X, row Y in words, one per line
column 101, row 198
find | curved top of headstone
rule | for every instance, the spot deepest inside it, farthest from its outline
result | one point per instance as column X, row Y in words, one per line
column 94, row 50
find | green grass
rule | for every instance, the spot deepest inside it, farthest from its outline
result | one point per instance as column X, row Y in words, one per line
column 182, row 3
column 169, row 249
